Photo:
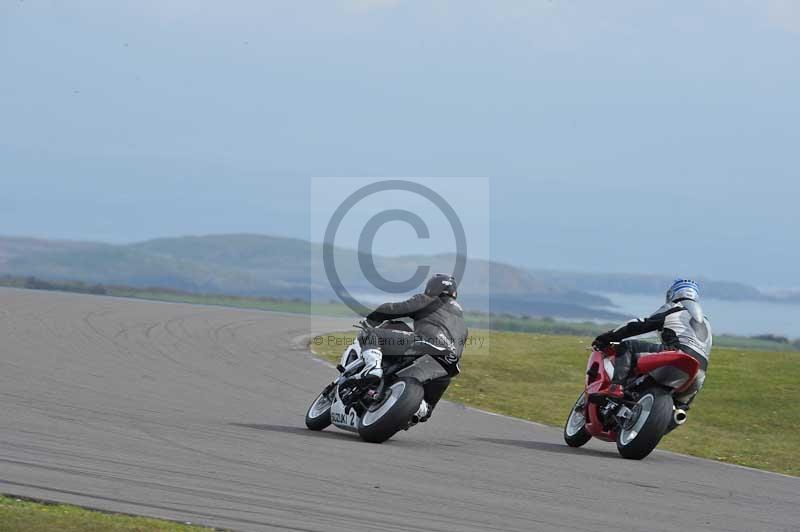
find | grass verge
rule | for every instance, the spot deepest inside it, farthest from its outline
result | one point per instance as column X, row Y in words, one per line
column 747, row 413
column 19, row 515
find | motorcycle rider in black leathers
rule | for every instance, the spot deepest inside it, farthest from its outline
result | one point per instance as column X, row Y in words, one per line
column 682, row 327
column 439, row 330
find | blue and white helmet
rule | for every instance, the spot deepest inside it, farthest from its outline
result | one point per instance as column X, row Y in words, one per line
column 683, row 289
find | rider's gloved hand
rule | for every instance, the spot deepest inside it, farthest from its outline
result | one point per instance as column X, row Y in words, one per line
column 602, row 341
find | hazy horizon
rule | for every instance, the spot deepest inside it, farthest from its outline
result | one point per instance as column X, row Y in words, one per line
column 531, row 268
column 636, row 139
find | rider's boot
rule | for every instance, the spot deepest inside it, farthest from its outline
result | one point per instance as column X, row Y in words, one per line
column 422, row 414
column 434, row 390
column 372, row 366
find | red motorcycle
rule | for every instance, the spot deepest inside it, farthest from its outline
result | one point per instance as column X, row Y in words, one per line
column 645, row 414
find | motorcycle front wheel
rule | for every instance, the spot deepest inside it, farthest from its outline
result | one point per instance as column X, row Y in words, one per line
column 639, row 435
column 393, row 412
column 318, row 415
column 575, row 433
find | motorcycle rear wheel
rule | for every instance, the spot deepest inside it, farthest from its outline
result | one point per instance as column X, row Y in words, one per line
column 382, row 420
column 652, row 414
column 575, row 433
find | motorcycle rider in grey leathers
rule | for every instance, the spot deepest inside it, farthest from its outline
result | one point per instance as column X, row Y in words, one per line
column 682, row 326
column 439, row 330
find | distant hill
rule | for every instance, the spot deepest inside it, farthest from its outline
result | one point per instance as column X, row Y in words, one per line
column 260, row 265
column 13, row 247
column 232, row 264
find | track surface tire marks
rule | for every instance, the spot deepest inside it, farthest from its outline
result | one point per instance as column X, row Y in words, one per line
column 196, row 414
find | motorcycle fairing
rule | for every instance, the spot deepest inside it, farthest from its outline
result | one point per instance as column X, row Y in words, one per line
column 351, row 353
column 597, row 375
column 673, row 369
column 597, row 379
column 343, row 416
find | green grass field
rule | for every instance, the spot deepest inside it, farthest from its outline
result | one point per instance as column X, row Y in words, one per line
column 747, row 413
column 26, row 516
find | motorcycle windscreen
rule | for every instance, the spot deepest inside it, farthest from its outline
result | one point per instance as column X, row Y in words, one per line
column 424, row 369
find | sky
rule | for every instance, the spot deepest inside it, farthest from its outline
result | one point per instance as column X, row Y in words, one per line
column 628, row 137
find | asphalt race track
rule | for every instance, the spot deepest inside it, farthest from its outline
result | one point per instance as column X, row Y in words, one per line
column 196, row 414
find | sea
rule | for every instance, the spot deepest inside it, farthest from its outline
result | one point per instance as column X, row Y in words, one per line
column 744, row 318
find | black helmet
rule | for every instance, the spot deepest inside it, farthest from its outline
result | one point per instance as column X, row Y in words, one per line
column 442, row 283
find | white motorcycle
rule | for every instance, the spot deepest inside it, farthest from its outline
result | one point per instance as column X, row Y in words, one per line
column 376, row 411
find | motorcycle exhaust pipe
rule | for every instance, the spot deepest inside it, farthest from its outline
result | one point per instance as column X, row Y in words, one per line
column 679, row 416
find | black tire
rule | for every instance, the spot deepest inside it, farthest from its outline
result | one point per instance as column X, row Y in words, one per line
column 637, row 442
column 319, row 418
column 401, row 401
column 579, row 437
column 671, row 426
